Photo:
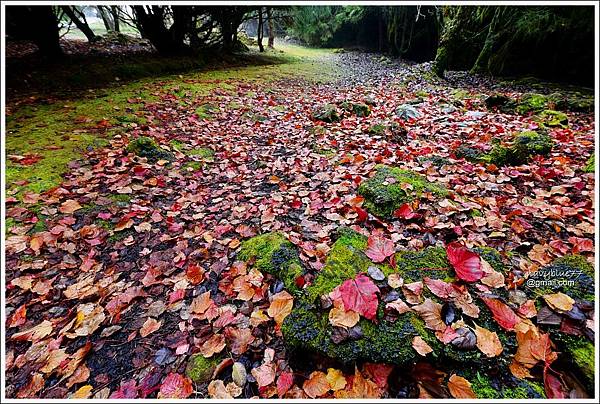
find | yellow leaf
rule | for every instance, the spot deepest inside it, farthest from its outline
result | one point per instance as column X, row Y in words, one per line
column 336, row 379
column 83, row 392
column 342, row 318
column 559, row 301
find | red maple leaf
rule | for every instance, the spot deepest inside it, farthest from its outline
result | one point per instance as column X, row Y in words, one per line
column 360, row 295
column 406, row 212
column 466, row 263
column 379, row 248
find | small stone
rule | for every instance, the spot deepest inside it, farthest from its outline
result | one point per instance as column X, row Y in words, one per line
column 326, row 302
column 339, row 335
column 517, row 297
column 355, row 332
column 376, row 273
column 390, row 297
column 238, row 374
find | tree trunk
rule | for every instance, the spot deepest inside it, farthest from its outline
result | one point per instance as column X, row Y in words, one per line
column 482, row 63
column 81, row 24
column 115, row 13
column 259, row 33
column 106, row 19
column 271, row 43
column 35, row 23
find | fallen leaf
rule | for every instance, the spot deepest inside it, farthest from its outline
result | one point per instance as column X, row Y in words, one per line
column 466, row 263
column 175, row 386
column 69, row 206
column 503, row 314
column 341, row 318
column 281, row 306
column 150, row 325
column 284, row 383
column 213, row 345
column 488, row 342
column 336, row 379
column 316, row 385
column 460, row 387
column 421, row 346
column 431, row 313
column 264, row 374
column 559, row 302
column 360, row 295
column 379, row 248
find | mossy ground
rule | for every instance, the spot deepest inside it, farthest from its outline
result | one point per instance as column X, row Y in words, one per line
column 62, row 130
column 391, row 187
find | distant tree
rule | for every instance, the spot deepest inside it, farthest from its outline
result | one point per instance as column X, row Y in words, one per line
column 110, row 17
column 35, row 23
column 77, row 15
column 260, row 30
column 271, row 42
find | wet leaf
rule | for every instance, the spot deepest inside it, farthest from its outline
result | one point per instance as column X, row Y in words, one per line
column 316, row 385
column 488, row 342
column 360, row 295
column 460, row 387
column 466, row 263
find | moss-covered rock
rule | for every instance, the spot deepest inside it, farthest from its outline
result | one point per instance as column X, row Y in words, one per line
column 497, row 101
column 582, row 353
column 590, row 166
column 571, row 274
column 576, row 102
column 376, row 129
column 468, row 153
column 523, row 146
column 274, row 254
column 201, row 369
column 387, row 340
column 326, row 113
column 358, row 109
column 504, row 386
column 531, row 102
column 437, row 161
column 552, row 119
column 147, row 147
column 391, row 187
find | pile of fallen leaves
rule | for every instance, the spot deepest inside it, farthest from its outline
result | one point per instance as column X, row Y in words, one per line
column 115, row 278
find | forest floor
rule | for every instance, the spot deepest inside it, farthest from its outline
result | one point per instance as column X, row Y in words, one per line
column 107, row 254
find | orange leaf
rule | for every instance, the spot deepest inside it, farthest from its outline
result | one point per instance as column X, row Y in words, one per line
column 336, row 379
column 316, row 385
column 559, row 301
column 69, row 206
column 460, row 387
column 488, row 342
column 281, row 306
column 149, row 326
column 213, row 345
column 421, row 346
column 342, row 318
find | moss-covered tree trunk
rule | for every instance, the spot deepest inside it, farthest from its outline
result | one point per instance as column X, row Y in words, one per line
column 482, row 63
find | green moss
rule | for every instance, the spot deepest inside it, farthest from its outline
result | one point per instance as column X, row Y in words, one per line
column 206, row 111
column 275, row 255
column 358, row 109
column 376, row 129
column 582, row 353
column 437, row 161
column 147, row 147
column 523, row 146
column 590, row 166
column 387, row 190
column 456, row 93
column 571, row 274
column 576, row 102
column 531, row 102
column 201, row 369
column 390, row 342
column 483, row 387
column 468, row 153
column 550, row 118
column 493, row 257
column 326, row 113
column 205, row 153
column 194, row 165
column 120, row 199
column 345, row 259
column 476, row 213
